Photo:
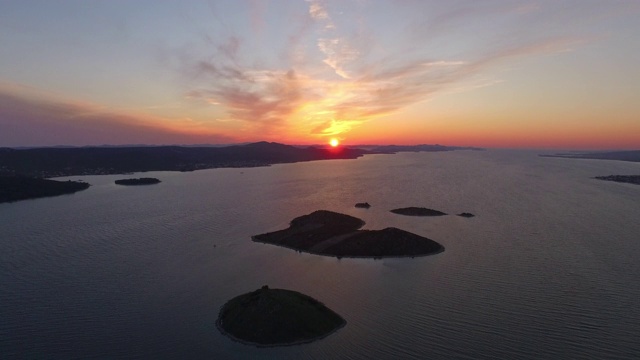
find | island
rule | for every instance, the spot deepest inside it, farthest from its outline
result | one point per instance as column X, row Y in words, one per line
column 466, row 215
column 364, row 205
column 333, row 234
column 140, row 181
column 417, row 211
column 15, row 188
column 630, row 179
column 277, row 317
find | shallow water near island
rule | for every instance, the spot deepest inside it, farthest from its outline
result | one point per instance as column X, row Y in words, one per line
column 547, row 269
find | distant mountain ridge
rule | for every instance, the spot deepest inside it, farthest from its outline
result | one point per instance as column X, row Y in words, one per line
column 63, row 161
column 100, row 160
column 392, row 149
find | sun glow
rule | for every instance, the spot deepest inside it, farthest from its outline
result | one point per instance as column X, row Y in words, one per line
column 334, row 142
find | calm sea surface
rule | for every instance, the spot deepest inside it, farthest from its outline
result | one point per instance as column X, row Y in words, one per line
column 548, row 269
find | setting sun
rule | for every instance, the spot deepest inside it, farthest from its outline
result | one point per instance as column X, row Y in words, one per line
column 334, row 142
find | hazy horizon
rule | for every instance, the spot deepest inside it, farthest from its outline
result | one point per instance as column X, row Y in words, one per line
column 492, row 74
column 548, row 149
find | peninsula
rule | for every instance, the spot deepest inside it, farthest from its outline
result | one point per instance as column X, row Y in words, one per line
column 140, row 181
column 630, row 155
column 15, row 188
column 333, row 234
column 630, row 179
column 277, row 317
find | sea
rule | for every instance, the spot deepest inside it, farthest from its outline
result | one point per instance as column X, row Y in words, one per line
column 549, row 268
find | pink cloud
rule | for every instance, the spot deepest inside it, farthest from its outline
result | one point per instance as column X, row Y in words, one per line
column 304, row 91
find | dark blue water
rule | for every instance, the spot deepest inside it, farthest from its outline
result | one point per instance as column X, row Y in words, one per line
column 548, row 268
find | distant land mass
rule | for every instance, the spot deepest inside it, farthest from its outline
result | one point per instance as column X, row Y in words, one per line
column 53, row 162
column 631, row 155
column 392, row 149
column 69, row 161
column 630, row 179
column 15, row 188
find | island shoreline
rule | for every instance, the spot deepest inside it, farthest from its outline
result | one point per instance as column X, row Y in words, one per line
column 441, row 250
column 273, row 301
column 293, row 343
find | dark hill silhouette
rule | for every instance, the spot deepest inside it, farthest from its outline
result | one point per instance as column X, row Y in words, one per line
column 15, row 188
column 50, row 162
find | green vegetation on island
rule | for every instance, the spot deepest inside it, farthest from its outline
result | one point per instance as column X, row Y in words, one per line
column 140, row 181
column 333, row 234
column 15, row 188
column 417, row 211
column 277, row 317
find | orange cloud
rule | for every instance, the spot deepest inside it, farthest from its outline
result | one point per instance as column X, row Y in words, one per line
column 303, row 99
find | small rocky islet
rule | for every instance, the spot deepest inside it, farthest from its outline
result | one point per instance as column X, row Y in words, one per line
column 333, row 234
column 417, row 211
column 140, row 181
column 277, row 317
column 422, row 211
column 466, row 215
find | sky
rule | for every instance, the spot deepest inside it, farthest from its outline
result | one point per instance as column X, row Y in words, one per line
column 559, row 74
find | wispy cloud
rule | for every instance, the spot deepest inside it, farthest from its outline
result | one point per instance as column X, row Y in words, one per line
column 329, row 89
column 318, row 12
column 337, row 51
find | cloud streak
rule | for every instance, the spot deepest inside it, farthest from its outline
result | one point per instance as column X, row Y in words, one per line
column 331, row 87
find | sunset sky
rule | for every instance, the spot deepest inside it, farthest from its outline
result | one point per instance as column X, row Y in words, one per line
column 525, row 74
